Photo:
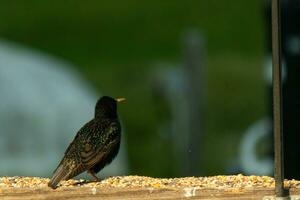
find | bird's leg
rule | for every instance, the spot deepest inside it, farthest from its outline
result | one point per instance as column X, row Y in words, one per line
column 93, row 174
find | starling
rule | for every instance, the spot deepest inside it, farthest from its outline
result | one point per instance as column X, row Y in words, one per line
column 95, row 145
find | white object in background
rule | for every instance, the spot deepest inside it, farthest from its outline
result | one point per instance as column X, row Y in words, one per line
column 250, row 162
column 44, row 102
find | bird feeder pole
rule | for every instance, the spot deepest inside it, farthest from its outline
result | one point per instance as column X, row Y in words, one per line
column 277, row 100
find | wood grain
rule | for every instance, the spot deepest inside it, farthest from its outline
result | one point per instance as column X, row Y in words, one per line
column 79, row 193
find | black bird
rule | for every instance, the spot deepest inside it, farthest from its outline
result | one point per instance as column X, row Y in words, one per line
column 95, row 145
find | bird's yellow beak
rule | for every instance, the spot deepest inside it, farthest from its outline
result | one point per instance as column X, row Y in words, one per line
column 120, row 99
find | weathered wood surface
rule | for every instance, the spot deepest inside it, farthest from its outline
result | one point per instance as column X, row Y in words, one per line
column 236, row 187
column 79, row 193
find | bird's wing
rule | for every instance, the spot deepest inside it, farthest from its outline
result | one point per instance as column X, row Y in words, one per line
column 81, row 135
column 69, row 167
column 71, row 164
column 71, row 150
column 91, row 156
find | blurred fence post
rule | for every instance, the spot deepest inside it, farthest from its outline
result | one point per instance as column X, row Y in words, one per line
column 193, row 68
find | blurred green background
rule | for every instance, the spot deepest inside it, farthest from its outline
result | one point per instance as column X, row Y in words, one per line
column 115, row 45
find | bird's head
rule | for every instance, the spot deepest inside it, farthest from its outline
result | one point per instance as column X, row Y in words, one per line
column 106, row 107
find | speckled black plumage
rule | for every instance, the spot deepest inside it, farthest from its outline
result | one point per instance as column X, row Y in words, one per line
column 96, row 144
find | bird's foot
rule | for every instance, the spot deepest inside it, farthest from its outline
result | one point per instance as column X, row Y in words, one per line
column 95, row 177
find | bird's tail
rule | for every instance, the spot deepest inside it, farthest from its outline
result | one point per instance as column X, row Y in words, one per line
column 59, row 174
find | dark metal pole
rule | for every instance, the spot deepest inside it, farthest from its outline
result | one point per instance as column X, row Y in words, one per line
column 277, row 100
